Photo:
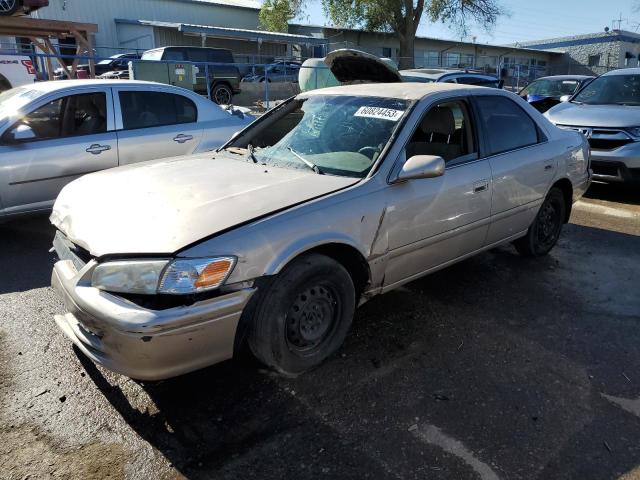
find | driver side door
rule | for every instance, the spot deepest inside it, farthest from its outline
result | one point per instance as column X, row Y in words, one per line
column 434, row 221
column 58, row 141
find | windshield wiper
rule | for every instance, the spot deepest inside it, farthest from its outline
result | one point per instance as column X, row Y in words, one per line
column 252, row 155
column 308, row 163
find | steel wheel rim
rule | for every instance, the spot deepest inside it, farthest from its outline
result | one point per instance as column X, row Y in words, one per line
column 7, row 5
column 548, row 224
column 311, row 319
column 222, row 96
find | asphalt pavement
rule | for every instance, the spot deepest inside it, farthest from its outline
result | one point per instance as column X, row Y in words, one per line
column 495, row 368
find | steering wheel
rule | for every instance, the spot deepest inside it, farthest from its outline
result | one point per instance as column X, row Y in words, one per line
column 369, row 148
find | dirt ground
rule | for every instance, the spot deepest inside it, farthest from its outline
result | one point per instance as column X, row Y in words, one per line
column 495, row 368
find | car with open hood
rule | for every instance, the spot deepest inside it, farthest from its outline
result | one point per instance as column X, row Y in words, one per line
column 607, row 113
column 332, row 197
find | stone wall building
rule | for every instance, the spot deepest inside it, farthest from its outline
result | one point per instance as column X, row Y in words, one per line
column 593, row 53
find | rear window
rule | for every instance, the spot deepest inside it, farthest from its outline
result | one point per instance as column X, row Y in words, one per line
column 152, row 55
column 507, row 126
column 222, row 56
column 155, row 109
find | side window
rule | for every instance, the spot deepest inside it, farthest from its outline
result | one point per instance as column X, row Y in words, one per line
column 198, row 55
column 155, row 109
column 445, row 131
column 507, row 126
column 70, row 116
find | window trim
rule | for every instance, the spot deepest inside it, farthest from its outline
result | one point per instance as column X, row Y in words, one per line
column 52, row 98
column 119, row 124
column 542, row 138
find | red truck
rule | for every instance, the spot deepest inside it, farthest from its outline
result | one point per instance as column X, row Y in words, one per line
column 20, row 7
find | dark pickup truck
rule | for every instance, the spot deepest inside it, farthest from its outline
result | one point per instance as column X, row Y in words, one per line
column 224, row 77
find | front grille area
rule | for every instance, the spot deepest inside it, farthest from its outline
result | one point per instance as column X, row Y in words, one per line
column 602, row 138
column 608, row 170
column 67, row 250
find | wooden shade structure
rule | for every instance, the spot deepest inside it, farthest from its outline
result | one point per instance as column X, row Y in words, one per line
column 40, row 32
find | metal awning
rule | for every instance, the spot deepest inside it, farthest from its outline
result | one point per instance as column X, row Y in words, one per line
column 231, row 33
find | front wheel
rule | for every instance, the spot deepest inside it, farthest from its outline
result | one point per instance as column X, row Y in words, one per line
column 545, row 229
column 221, row 94
column 303, row 315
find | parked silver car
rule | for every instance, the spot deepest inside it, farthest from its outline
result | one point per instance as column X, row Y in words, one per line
column 607, row 112
column 329, row 199
column 54, row 132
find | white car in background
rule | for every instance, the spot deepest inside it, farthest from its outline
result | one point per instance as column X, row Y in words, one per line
column 16, row 70
column 54, row 132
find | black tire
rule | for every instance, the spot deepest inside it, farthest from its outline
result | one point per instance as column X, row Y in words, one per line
column 545, row 229
column 221, row 94
column 303, row 315
column 8, row 7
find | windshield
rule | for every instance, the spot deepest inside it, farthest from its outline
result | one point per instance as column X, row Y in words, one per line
column 16, row 98
column 611, row 89
column 551, row 88
column 336, row 135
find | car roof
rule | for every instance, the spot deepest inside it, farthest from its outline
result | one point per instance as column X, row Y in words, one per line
column 52, row 86
column 623, row 71
column 400, row 90
column 566, row 77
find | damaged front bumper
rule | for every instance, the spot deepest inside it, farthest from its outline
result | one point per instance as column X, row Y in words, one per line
column 142, row 343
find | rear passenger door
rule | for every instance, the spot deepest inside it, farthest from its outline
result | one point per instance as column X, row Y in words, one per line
column 155, row 124
column 522, row 163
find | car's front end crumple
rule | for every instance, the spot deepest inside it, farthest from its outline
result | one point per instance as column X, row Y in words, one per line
column 148, row 342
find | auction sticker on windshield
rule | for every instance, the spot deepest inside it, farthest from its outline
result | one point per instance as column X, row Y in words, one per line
column 379, row 112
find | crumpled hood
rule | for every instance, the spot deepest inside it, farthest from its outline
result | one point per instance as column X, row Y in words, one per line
column 608, row 116
column 162, row 206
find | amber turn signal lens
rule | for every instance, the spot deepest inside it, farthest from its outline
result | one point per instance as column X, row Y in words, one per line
column 214, row 273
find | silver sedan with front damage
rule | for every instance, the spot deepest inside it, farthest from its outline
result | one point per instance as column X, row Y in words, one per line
column 333, row 197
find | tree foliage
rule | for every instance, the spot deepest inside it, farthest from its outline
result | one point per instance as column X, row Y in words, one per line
column 401, row 17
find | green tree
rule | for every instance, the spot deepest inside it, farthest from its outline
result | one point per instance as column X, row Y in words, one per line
column 275, row 14
column 401, row 17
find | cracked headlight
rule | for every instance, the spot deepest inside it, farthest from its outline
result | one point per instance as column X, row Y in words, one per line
column 176, row 277
column 129, row 276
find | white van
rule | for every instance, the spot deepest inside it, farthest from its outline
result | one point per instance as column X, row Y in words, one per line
column 15, row 70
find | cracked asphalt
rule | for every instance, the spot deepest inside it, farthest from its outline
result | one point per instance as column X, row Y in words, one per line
column 495, row 368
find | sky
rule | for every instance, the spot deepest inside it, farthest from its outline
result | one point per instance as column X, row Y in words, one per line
column 527, row 20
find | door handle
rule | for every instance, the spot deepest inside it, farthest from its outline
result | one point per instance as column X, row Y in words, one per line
column 97, row 149
column 183, row 138
column 548, row 167
column 480, row 187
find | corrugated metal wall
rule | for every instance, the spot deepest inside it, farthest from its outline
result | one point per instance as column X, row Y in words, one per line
column 104, row 13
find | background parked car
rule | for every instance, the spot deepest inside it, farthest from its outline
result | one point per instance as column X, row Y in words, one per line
column 546, row 92
column 119, row 62
column 15, row 71
column 20, row 7
column 607, row 112
column 276, row 72
column 54, row 132
column 224, row 78
column 425, row 75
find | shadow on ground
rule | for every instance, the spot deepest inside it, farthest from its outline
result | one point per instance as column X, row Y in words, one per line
column 507, row 356
column 25, row 261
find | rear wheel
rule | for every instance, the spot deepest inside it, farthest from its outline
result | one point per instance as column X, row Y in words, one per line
column 221, row 93
column 303, row 315
column 545, row 229
column 8, row 7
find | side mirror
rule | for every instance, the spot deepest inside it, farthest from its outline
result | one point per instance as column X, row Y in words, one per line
column 421, row 166
column 565, row 98
column 21, row 133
